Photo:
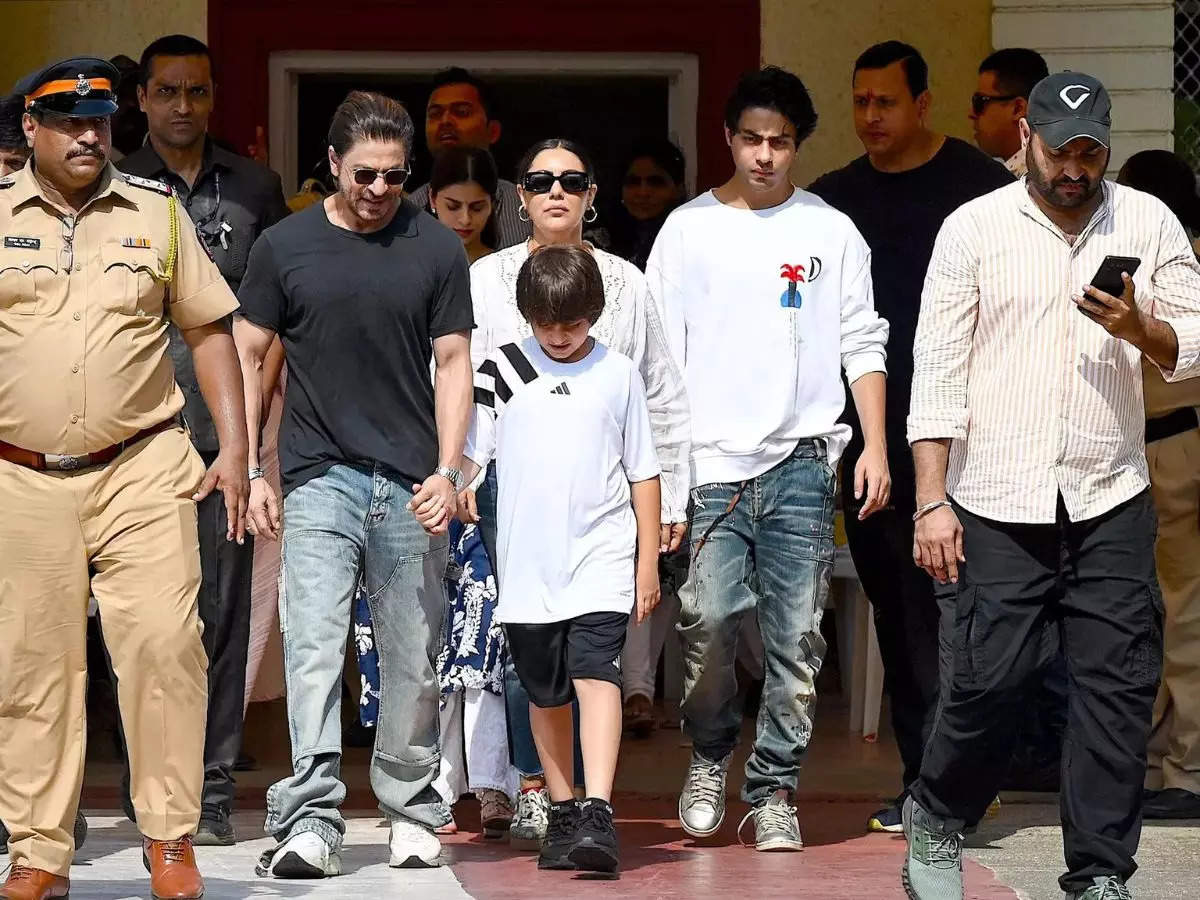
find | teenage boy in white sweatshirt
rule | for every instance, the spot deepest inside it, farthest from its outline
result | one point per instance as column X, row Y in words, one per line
column 766, row 292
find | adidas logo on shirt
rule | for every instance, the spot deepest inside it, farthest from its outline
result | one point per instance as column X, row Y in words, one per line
column 562, row 389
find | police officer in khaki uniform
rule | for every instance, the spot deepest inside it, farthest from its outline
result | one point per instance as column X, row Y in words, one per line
column 98, row 482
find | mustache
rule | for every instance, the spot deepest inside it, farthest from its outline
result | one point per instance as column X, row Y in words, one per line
column 1082, row 181
column 87, row 151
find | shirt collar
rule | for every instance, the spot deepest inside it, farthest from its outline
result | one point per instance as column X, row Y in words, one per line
column 154, row 166
column 1102, row 212
column 27, row 187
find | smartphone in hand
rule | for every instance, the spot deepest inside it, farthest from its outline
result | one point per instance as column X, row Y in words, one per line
column 1108, row 276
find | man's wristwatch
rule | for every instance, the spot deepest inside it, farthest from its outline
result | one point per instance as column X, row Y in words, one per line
column 454, row 476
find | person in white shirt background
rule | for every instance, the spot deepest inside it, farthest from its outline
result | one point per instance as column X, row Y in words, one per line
column 1027, row 426
column 557, row 189
column 763, row 359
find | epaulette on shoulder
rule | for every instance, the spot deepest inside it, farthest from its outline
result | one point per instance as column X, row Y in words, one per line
column 7, row 181
column 149, row 184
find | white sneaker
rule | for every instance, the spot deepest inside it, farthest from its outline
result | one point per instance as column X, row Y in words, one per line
column 303, row 855
column 413, row 845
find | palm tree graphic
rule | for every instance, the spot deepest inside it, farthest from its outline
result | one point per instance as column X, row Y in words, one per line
column 793, row 274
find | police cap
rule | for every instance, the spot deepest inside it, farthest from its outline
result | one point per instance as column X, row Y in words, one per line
column 84, row 86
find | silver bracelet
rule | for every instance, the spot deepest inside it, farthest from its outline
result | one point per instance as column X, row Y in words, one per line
column 928, row 508
column 256, row 473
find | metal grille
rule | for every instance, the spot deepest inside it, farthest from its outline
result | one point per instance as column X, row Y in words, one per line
column 1187, row 80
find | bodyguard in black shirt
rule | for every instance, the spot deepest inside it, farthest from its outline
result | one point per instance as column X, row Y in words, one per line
column 364, row 291
column 231, row 200
column 898, row 195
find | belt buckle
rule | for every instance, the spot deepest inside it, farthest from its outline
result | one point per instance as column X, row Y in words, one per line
column 66, row 463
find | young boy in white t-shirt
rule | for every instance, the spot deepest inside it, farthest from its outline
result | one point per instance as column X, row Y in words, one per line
column 566, row 420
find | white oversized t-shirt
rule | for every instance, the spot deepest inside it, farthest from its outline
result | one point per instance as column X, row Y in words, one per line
column 568, row 438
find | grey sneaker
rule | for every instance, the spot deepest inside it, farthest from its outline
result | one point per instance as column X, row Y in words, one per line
column 1106, row 887
column 702, row 801
column 528, row 828
column 933, row 869
column 775, row 825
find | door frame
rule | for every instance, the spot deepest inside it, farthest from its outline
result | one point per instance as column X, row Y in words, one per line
column 682, row 71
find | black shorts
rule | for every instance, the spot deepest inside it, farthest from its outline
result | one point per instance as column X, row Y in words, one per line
column 548, row 657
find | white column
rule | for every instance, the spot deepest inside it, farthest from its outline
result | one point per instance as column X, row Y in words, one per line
column 1127, row 44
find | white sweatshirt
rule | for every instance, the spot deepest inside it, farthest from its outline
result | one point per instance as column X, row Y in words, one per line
column 763, row 309
column 630, row 325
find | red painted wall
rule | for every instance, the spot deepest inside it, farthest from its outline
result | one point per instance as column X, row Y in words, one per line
column 723, row 34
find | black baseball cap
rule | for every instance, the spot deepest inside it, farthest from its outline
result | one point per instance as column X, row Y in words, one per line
column 82, row 86
column 1068, row 105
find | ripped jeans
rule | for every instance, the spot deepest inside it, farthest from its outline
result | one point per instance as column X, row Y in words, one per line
column 763, row 546
column 349, row 525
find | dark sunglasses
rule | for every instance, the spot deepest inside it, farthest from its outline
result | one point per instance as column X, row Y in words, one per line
column 541, row 182
column 653, row 181
column 392, row 177
column 979, row 102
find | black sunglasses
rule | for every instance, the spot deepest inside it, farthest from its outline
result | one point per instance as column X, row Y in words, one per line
column 979, row 102
column 392, row 177
column 541, row 181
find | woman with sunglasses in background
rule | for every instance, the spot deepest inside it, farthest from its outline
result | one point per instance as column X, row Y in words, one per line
column 462, row 192
column 557, row 187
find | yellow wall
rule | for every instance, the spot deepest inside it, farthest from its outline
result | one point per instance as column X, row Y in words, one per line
column 820, row 39
column 40, row 31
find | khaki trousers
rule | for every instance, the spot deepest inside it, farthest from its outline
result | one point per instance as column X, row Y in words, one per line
column 128, row 529
column 1174, row 750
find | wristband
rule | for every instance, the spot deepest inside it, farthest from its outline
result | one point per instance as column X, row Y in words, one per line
column 256, row 472
column 928, row 508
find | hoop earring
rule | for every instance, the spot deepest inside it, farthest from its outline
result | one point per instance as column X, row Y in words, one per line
column 523, row 213
column 595, row 215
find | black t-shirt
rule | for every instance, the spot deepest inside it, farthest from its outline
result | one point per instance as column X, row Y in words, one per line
column 899, row 215
column 357, row 314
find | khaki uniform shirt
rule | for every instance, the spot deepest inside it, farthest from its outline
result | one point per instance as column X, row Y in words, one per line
column 83, row 327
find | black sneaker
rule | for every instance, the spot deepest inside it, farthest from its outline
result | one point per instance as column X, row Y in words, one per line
column 215, row 829
column 595, row 846
column 1172, row 803
column 560, row 836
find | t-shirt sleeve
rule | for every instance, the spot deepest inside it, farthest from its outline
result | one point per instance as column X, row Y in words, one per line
column 638, row 457
column 664, row 279
column 199, row 295
column 261, row 293
column 451, row 308
column 480, row 446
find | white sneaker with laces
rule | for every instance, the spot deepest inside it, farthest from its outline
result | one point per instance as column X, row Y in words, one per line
column 303, row 855
column 413, row 846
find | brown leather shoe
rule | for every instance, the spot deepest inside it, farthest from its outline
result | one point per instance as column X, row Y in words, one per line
column 25, row 883
column 172, row 868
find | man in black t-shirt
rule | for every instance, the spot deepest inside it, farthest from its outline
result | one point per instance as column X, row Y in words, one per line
column 364, row 291
column 898, row 194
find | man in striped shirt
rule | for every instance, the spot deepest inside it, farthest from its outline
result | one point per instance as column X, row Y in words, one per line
column 1033, row 507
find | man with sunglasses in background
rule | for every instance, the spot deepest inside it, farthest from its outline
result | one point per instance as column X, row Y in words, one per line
column 897, row 194
column 1001, row 100
column 461, row 112
column 231, row 200
column 364, row 290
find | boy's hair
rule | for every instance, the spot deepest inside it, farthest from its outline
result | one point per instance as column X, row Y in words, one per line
column 558, row 285
column 776, row 89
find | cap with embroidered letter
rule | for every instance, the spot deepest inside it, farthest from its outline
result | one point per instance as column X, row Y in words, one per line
column 83, row 86
column 1069, row 105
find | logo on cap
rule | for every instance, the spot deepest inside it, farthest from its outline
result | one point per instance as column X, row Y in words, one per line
column 82, row 86
column 1065, row 95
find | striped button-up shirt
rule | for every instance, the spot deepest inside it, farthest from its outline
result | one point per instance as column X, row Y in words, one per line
column 1038, row 399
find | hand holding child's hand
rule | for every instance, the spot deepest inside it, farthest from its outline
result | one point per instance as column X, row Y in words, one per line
column 648, row 591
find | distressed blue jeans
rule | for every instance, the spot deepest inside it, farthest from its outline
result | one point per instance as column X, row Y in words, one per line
column 764, row 546
column 347, row 525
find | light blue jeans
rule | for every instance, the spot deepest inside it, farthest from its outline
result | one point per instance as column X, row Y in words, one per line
column 763, row 546
column 347, row 525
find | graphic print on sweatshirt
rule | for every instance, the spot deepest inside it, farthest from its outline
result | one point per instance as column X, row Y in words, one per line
column 797, row 274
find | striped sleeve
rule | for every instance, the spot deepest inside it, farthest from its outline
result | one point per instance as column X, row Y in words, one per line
column 505, row 370
column 1176, row 283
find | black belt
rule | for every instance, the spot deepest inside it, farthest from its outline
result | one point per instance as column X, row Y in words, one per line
column 1171, row 424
